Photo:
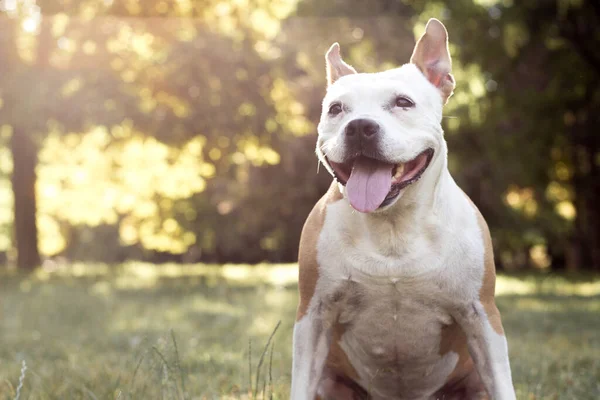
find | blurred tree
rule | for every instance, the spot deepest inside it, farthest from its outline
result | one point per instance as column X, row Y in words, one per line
column 533, row 134
column 32, row 90
column 22, row 146
column 180, row 129
column 159, row 70
column 521, row 124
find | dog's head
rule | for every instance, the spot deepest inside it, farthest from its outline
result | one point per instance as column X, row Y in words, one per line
column 379, row 132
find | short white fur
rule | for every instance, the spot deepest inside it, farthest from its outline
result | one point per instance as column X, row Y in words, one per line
column 427, row 245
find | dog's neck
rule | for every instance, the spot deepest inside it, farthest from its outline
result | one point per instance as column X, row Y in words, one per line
column 425, row 205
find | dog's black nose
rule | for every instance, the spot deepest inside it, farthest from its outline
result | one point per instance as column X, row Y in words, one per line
column 363, row 128
column 362, row 137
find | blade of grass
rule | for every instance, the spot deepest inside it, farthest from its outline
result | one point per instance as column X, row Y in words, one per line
column 262, row 356
column 270, row 372
column 164, row 360
column 10, row 387
column 114, row 388
column 135, row 371
column 164, row 383
column 39, row 381
column 87, row 391
column 178, row 364
column 21, row 380
column 250, row 364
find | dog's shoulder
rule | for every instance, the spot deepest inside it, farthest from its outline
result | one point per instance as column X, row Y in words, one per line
column 488, row 284
column 308, row 273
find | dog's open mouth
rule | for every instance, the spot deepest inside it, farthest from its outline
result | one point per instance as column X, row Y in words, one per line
column 371, row 184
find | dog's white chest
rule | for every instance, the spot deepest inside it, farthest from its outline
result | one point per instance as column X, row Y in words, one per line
column 392, row 309
column 392, row 331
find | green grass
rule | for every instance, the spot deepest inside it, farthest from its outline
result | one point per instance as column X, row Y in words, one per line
column 182, row 332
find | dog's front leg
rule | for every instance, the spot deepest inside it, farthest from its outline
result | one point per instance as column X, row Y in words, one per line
column 488, row 347
column 311, row 345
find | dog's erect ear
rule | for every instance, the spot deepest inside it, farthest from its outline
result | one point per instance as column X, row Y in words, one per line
column 432, row 57
column 336, row 67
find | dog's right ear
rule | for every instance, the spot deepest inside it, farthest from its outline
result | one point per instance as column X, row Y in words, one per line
column 432, row 57
column 336, row 67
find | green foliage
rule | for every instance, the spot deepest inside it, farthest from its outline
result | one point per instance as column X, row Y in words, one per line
column 186, row 128
column 136, row 182
column 190, row 85
column 524, row 149
column 182, row 331
column 520, row 125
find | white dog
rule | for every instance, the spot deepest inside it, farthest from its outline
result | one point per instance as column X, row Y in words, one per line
column 397, row 270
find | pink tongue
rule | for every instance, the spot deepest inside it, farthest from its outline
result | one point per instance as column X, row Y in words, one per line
column 369, row 184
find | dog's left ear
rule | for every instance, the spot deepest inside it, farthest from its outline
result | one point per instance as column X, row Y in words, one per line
column 432, row 57
column 336, row 67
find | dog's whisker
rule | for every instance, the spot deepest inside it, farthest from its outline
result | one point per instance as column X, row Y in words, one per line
column 322, row 147
column 328, row 150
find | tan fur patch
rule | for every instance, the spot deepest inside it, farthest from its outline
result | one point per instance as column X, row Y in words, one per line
column 308, row 272
column 454, row 339
column 488, row 287
column 464, row 381
column 337, row 360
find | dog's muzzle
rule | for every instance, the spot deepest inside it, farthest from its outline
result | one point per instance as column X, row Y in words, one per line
column 362, row 137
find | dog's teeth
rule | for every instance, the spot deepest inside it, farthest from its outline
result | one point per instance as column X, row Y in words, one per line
column 399, row 171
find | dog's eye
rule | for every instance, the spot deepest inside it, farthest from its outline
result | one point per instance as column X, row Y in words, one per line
column 404, row 102
column 335, row 109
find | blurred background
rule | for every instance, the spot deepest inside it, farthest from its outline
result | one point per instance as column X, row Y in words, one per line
column 181, row 130
column 157, row 161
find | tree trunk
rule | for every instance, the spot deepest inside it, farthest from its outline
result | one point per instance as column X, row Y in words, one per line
column 24, row 149
column 587, row 222
column 24, row 153
column 578, row 28
column 586, row 185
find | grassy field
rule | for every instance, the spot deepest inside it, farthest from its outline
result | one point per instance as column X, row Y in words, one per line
column 185, row 332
